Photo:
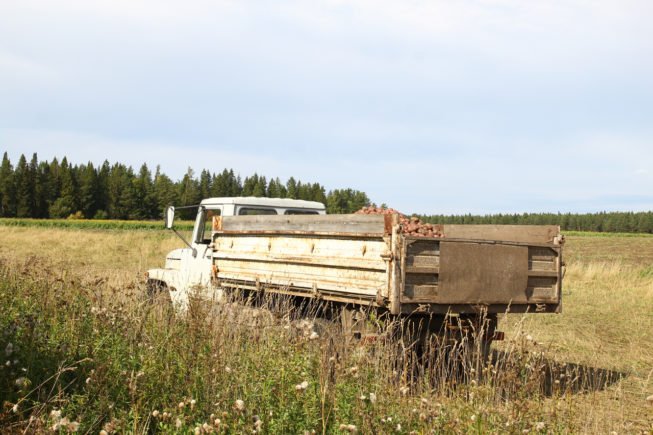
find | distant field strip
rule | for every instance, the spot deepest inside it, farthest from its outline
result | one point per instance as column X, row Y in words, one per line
column 92, row 224
column 110, row 224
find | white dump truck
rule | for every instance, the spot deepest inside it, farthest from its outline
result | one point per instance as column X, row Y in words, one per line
column 290, row 247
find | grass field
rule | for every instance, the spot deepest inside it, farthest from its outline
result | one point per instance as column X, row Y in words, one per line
column 91, row 224
column 80, row 346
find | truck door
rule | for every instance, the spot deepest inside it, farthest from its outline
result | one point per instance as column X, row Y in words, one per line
column 198, row 266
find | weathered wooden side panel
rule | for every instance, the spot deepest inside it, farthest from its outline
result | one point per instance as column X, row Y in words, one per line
column 357, row 225
column 317, row 264
column 530, row 234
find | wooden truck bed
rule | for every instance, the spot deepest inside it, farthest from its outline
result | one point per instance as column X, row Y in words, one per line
column 364, row 259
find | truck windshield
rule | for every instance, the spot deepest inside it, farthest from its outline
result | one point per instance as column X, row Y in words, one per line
column 207, row 225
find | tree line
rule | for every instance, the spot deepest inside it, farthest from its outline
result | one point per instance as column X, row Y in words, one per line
column 620, row 222
column 59, row 189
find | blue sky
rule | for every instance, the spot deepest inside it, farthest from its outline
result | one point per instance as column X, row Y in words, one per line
column 428, row 106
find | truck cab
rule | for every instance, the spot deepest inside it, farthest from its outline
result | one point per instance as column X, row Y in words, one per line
column 188, row 269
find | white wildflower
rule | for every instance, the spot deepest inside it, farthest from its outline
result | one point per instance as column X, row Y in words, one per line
column 198, row 430
column 529, row 337
column 22, row 382
column 155, row 413
column 9, row 349
column 473, row 417
column 73, row 426
column 404, row 390
column 258, row 424
column 178, row 423
column 398, row 427
column 301, row 387
column 192, row 403
column 540, row 425
column 227, row 369
column 425, row 401
column 181, row 405
column 314, row 336
column 372, row 398
column 240, row 405
column 14, row 408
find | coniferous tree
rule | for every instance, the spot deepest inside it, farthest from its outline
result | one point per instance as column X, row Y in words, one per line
column 88, row 190
column 42, row 198
column 291, row 188
column 205, row 184
column 235, row 184
column 102, row 198
column 318, row 194
column 219, row 186
column 24, row 188
column 346, row 201
column 260, row 188
column 276, row 189
column 66, row 203
column 249, row 184
column 120, row 198
column 165, row 192
column 7, row 188
column 145, row 204
column 189, row 193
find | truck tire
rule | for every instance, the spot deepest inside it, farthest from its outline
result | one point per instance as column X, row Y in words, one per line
column 157, row 292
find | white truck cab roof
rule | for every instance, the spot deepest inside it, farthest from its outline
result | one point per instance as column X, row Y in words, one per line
column 283, row 203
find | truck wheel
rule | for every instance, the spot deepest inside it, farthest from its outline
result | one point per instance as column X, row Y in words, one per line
column 157, row 293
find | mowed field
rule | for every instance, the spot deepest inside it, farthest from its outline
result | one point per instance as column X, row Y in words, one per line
column 83, row 347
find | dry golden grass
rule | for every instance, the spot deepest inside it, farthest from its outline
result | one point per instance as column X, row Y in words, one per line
column 605, row 331
column 607, row 323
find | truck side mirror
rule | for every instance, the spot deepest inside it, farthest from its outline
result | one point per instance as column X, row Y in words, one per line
column 169, row 217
